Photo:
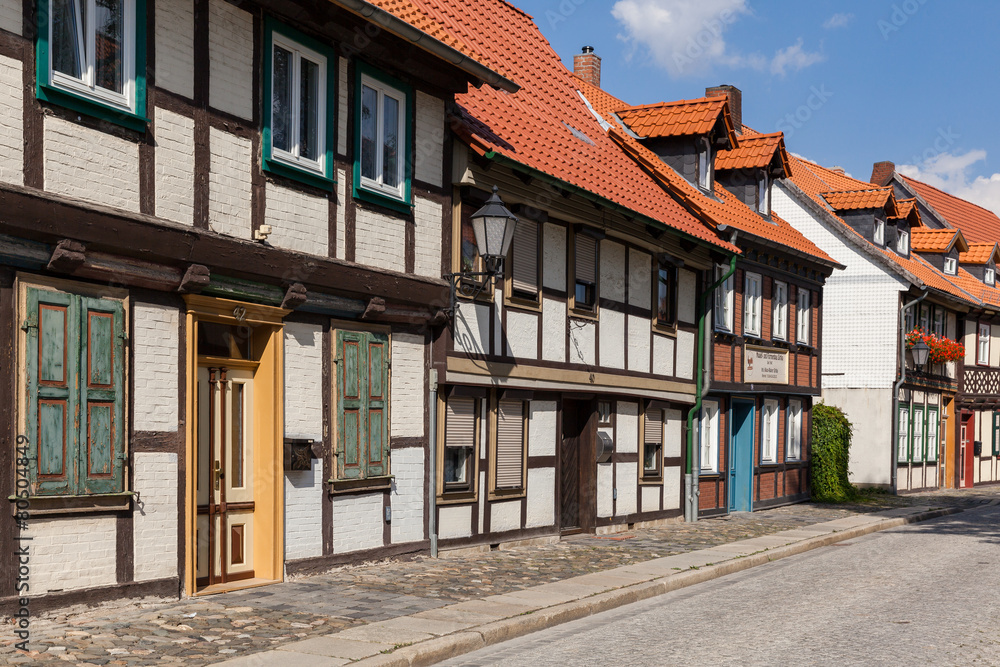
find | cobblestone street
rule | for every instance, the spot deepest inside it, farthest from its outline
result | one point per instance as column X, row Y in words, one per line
column 200, row 631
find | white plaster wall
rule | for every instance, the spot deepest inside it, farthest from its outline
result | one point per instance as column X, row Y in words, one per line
column 505, row 516
column 542, row 428
column 357, row 523
column 380, row 240
column 685, row 355
column 522, row 334
column 581, row 341
column 650, row 499
column 299, row 221
column 428, row 223
column 639, row 334
column 994, row 348
column 91, row 165
column 640, row 273
column 407, row 497
column 154, row 346
column 627, row 476
column 72, row 553
column 11, row 110
column 175, row 46
column 612, row 274
column 605, row 489
column 230, row 58
column 612, row 340
column 303, row 380
column 342, row 88
column 472, row 328
column 407, row 386
column 673, row 433
column 672, row 487
column 870, row 410
column 428, row 160
column 663, row 355
column 341, row 211
column 155, row 518
column 174, row 157
column 554, row 256
column 229, row 183
column 10, row 16
column 687, row 296
column 970, row 342
column 304, row 512
column 553, row 330
column 455, row 521
column 627, row 428
column 541, row 497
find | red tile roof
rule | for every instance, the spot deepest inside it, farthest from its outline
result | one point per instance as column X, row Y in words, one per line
column 925, row 239
column 755, row 151
column 978, row 224
column 906, row 209
column 546, row 127
column 857, row 199
column 679, row 119
column 980, row 253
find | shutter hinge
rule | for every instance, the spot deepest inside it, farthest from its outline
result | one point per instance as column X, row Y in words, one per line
column 122, row 457
column 124, row 337
column 28, row 324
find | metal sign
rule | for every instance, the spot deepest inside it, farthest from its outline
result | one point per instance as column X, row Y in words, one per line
column 765, row 365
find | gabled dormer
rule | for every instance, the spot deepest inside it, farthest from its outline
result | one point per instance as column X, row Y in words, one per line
column 981, row 261
column 942, row 248
column 874, row 214
column 749, row 170
column 687, row 135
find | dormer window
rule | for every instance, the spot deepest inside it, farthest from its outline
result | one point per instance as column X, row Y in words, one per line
column 705, row 165
column 950, row 266
column 903, row 241
column 879, row 236
column 990, row 276
column 764, row 195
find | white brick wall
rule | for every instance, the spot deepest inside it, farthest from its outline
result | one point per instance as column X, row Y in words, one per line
column 612, row 273
column 612, row 338
column 341, row 213
column 553, row 329
column 685, row 355
column 407, row 499
column 554, row 256
column 541, row 497
column 303, row 380
column 663, row 355
column 581, row 341
column 10, row 16
column 70, row 554
column 300, row 222
column 429, row 158
column 639, row 333
column 155, row 519
column 522, row 334
column 174, row 166
column 455, row 521
column 11, row 109
column 357, row 523
column 156, row 332
column 175, row 46
column 75, row 154
column 407, row 386
column 505, row 516
column 342, row 88
column 230, row 58
column 640, row 272
column 304, row 512
column 380, row 240
column 542, row 428
column 229, row 184
column 428, row 223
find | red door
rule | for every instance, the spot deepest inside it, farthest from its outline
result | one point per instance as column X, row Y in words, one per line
column 965, row 453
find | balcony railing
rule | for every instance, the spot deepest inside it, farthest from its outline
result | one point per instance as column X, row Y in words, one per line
column 981, row 382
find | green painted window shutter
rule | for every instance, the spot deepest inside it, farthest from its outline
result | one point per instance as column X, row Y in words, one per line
column 76, row 393
column 362, row 404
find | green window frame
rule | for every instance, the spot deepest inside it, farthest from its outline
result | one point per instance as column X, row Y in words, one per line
column 75, row 355
column 372, row 190
column 903, row 434
column 60, row 90
column 932, row 434
column 362, row 361
column 290, row 163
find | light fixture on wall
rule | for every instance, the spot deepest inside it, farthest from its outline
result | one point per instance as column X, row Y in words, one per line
column 493, row 226
column 920, row 350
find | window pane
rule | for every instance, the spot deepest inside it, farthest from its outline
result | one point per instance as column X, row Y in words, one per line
column 309, row 119
column 390, row 142
column 108, row 43
column 67, row 33
column 281, row 100
column 455, row 464
column 369, row 130
column 663, row 296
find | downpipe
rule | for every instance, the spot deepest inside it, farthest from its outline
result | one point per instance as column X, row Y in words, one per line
column 894, row 464
column 432, row 461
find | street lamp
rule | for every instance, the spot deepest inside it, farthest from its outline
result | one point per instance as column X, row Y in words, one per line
column 493, row 226
column 920, row 350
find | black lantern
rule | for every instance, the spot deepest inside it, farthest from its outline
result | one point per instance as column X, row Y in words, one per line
column 493, row 226
column 920, row 350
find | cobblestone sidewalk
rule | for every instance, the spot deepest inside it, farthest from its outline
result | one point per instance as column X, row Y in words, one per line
column 201, row 631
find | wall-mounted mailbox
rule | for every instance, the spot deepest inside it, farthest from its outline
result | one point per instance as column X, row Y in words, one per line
column 977, row 447
column 299, row 453
column 605, row 446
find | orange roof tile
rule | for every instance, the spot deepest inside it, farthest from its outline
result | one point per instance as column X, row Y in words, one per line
column 976, row 287
column 978, row 224
column 906, row 209
column 546, row 127
column 755, row 152
column 858, row 199
column 981, row 253
column 925, row 239
column 680, row 119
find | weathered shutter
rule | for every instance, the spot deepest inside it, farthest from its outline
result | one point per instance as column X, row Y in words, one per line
column 378, row 406
column 351, row 417
column 524, row 264
column 933, row 433
column 102, row 396
column 53, row 328
column 653, row 431
column 720, row 297
column 586, row 259
column 460, row 422
column 917, row 455
column 996, row 433
column 510, row 445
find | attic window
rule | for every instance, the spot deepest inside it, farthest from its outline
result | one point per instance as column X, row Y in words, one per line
column 704, row 164
column 990, row 276
column 950, row 266
column 879, row 236
column 579, row 135
column 764, row 195
column 903, row 242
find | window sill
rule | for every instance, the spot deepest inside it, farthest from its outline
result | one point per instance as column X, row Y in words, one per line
column 665, row 329
column 507, row 494
column 53, row 505
column 651, row 480
column 285, row 170
column 518, row 303
column 379, row 199
column 583, row 314
column 339, row 487
column 89, row 107
column 457, row 497
column 709, row 473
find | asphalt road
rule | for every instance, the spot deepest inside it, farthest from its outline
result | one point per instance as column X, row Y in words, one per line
column 926, row 594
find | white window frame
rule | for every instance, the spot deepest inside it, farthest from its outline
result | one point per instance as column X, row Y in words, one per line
column 950, row 266
column 724, row 300
column 990, row 276
column 764, row 195
column 879, row 235
column 753, row 304
column 983, row 344
column 87, row 36
column 793, row 436
column 933, row 434
column 803, row 317
column 769, row 431
column 709, row 437
column 903, row 242
column 377, row 185
column 903, row 434
column 918, row 417
column 705, row 164
column 298, row 52
column 779, row 324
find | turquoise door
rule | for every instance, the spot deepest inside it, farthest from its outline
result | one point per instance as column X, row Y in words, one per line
column 741, row 456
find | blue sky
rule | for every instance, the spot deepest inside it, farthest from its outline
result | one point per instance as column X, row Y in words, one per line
column 849, row 82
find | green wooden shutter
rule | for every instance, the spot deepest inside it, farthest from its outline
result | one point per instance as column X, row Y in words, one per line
column 378, row 404
column 996, row 434
column 351, row 415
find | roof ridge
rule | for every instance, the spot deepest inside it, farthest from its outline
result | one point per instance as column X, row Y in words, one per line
column 948, row 194
column 675, row 103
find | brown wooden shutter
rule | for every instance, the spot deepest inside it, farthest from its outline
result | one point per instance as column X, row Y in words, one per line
column 524, row 265
column 510, row 445
column 653, row 433
column 586, row 259
column 460, row 422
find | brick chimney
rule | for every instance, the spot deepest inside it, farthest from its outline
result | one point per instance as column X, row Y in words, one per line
column 882, row 173
column 587, row 66
column 735, row 103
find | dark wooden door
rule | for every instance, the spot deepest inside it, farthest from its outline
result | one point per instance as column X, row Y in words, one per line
column 569, row 467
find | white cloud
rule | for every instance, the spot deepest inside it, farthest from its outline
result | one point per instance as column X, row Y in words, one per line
column 794, row 58
column 950, row 172
column 838, row 21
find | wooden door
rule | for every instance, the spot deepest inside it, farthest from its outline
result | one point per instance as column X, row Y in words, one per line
column 569, row 468
column 966, row 456
column 741, row 452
